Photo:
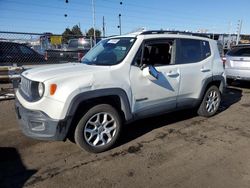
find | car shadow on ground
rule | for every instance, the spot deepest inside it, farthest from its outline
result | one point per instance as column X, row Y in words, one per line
column 241, row 84
column 144, row 126
column 230, row 97
column 13, row 172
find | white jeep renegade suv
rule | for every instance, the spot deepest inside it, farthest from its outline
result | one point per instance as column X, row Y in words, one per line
column 121, row 79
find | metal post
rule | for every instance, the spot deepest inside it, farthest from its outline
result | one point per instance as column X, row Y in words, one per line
column 103, row 26
column 229, row 36
column 120, row 24
column 93, row 12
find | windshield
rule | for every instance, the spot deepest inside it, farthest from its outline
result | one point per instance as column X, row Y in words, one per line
column 79, row 43
column 109, row 51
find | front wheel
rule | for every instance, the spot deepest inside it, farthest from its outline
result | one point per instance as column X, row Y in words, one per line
column 210, row 103
column 99, row 129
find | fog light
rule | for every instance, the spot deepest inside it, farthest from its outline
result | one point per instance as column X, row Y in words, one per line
column 37, row 125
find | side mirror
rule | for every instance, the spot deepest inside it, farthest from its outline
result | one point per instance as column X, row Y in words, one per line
column 150, row 72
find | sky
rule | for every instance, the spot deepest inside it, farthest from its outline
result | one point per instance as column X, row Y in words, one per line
column 39, row 16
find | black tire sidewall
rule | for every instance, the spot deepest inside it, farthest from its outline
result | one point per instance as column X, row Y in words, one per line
column 79, row 132
column 229, row 81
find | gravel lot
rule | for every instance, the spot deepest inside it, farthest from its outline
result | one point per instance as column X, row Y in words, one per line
column 175, row 150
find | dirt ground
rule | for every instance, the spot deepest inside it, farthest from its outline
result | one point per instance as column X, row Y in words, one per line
column 174, row 150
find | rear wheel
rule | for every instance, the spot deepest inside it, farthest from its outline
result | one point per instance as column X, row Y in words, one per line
column 98, row 129
column 229, row 81
column 210, row 103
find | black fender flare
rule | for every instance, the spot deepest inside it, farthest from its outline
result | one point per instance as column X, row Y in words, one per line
column 210, row 80
column 125, row 104
column 222, row 82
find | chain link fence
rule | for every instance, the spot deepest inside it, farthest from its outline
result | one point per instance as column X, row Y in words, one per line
column 20, row 51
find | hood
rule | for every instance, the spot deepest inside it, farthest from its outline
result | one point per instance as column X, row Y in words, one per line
column 48, row 72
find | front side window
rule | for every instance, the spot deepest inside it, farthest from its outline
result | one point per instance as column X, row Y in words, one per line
column 156, row 52
column 109, row 51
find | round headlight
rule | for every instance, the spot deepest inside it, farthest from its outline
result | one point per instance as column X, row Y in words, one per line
column 40, row 89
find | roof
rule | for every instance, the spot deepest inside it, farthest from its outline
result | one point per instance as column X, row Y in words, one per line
column 162, row 33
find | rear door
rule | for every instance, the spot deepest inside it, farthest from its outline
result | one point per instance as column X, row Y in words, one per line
column 195, row 61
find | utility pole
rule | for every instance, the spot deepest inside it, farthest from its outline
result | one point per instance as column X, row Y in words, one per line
column 239, row 26
column 229, row 35
column 120, row 24
column 93, row 12
column 79, row 24
column 103, row 26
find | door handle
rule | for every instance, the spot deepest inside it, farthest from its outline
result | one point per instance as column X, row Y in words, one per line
column 205, row 70
column 173, row 74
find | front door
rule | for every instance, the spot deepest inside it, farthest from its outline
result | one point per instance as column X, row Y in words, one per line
column 152, row 96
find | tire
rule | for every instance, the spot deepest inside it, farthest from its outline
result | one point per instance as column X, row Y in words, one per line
column 99, row 129
column 210, row 103
column 229, row 81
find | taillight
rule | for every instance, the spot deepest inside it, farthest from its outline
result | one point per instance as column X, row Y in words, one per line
column 80, row 55
column 46, row 56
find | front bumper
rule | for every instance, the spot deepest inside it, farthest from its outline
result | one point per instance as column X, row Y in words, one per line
column 38, row 125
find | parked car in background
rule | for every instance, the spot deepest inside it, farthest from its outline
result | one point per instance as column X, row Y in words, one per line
column 13, row 56
column 237, row 63
column 18, row 54
column 38, row 49
column 74, row 52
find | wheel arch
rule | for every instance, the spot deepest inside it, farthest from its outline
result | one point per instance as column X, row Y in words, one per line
column 217, row 80
column 116, row 97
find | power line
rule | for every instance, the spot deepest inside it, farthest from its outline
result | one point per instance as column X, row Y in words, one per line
column 146, row 19
column 177, row 21
column 166, row 11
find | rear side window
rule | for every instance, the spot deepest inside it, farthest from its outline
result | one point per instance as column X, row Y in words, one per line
column 239, row 52
column 192, row 51
column 206, row 51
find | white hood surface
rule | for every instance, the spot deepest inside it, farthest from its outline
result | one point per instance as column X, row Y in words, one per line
column 48, row 72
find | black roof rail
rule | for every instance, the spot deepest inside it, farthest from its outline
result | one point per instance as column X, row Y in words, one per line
column 175, row 32
column 161, row 32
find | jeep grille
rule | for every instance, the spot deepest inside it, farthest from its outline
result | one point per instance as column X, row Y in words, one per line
column 25, row 86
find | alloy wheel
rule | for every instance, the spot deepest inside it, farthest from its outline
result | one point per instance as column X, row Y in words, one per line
column 100, row 129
